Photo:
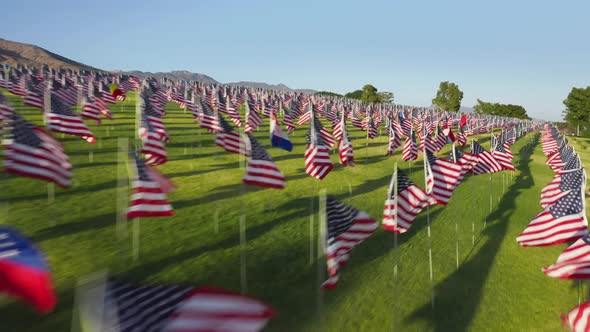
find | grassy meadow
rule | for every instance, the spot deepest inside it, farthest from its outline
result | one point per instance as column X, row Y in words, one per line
column 497, row 286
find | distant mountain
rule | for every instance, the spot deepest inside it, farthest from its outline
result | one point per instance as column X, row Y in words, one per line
column 12, row 53
column 174, row 75
column 278, row 87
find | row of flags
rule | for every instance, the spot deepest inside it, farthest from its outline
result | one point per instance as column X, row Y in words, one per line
column 563, row 220
column 33, row 152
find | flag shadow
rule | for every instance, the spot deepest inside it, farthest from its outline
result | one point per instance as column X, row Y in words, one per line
column 458, row 296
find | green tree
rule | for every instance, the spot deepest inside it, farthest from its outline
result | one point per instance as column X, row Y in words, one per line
column 327, row 93
column 509, row 110
column 356, row 94
column 577, row 108
column 370, row 94
column 448, row 97
column 386, row 97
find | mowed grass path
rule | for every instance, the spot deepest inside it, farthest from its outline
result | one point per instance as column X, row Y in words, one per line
column 498, row 286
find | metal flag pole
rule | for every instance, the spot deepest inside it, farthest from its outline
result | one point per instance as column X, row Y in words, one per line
column 122, row 193
column 244, row 149
column 429, row 235
column 139, row 105
column 395, row 251
column 321, row 257
column 456, row 214
column 50, row 185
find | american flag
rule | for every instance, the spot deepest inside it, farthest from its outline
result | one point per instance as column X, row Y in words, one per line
column 155, row 120
column 442, row 177
column 61, row 119
column 466, row 159
column 561, row 222
column 90, row 111
column 208, row 118
column 410, row 201
column 149, row 192
column 573, row 262
column 174, row 308
column 578, row 319
column 372, row 129
column 561, row 186
column 32, row 152
column 305, row 117
column 323, row 132
column 229, row 139
column 347, row 227
column 153, row 147
column 34, row 97
column 262, row 170
column 288, row 121
column 253, row 119
column 394, row 140
column 503, row 155
column 486, row 163
column 317, row 157
column 559, row 158
column 5, row 109
column 345, row 146
column 410, row 150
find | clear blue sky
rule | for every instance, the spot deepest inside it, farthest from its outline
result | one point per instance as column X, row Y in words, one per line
column 522, row 52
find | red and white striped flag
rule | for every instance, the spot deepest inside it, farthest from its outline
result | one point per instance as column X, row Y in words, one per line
column 61, row 119
column 573, row 262
column 561, row 222
column 410, row 150
column 411, row 200
column 442, row 177
column 317, row 156
column 561, row 185
column 347, row 227
column 32, row 152
column 578, row 319
column 262, row 170
column 149, row 192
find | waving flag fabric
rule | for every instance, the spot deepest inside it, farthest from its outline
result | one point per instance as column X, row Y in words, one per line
column 278, row 138
column 253, row 119
column 561, row 185
column 149, row 192
column 561, row 222
column 153, row 148
column 578, row 319
column 317, row 157
column 24, row 272
column 229, row 139
column 61, row 119
column 442, row 177
column 411, row 200
column 486, row 163
column 347, row 227
column 171, row 308
column 573, row 263
column 262, row 170
column 32, row 152
column 410, row 150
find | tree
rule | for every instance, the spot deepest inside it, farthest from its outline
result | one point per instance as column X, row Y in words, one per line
column 386, row 97
column 577, row 108
column 448, row 97
column 327, row 93
column 369, row 94
column 356, row 94
column 508, row 110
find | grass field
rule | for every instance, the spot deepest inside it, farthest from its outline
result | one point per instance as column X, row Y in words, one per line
column 498, row 285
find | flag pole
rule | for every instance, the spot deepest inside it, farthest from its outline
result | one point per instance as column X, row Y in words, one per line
column 395, row 251
column 429, row 236
column 139, row 104
column 50, row 185
column 244, row 149
column 321, row 257
column 122, row 193
column 456, row 215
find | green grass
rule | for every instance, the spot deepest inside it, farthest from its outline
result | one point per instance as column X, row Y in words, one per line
column 498, row 286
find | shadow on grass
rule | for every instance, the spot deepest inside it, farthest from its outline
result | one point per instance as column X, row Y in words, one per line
column 70, row 228
column 458, row 296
